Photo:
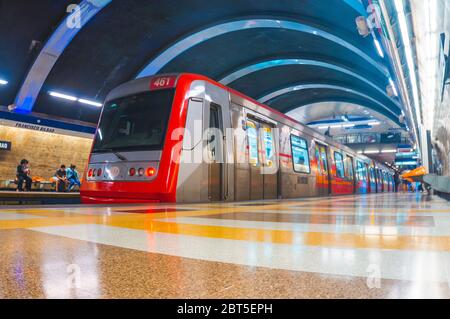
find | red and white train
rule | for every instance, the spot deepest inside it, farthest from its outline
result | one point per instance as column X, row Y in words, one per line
column 150, row 147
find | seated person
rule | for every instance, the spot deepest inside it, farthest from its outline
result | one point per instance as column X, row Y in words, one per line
column 23, row 175
column 73, row 177
column 61, row 179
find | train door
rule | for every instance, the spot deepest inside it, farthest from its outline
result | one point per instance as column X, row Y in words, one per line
column 369, row 178
column 215, row 151
column 362, row 186
column 385, row 183
column 269, row 161
column 351, row 172
column 379, row 181
column 323, row 174
column 256, row 178
column 263, row 161
column 372, row 180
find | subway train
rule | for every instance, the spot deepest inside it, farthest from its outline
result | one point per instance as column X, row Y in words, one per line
column 185, row 138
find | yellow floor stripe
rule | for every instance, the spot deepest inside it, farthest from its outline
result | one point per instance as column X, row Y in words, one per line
column 45, row 222
column 288, row 237
column 148, row 223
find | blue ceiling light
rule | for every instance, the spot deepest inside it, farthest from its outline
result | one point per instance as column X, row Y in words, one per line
column 394, row 90
column 155, row 66
column 55, row 46
column 379, row 48
column 346, row 125
column 409, row 163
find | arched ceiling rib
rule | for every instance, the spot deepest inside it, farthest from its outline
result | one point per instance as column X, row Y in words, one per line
column 207, row 34
column 271, row 98
column 54, row 47
column 245, row 71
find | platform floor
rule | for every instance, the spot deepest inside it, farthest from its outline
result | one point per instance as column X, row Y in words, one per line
column 371, row 246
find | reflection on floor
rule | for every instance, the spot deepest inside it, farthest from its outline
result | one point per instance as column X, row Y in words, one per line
column 368, row 246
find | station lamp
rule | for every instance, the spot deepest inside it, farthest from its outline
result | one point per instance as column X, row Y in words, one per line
column 362, row 26
column 74, row 99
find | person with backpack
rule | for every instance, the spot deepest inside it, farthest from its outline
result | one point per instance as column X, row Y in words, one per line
column 73, row 177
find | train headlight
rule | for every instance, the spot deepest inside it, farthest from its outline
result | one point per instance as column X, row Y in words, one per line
column 91, row 173
column 141, row 172
column 151, row 172
column 132, row 172
column 99, row 172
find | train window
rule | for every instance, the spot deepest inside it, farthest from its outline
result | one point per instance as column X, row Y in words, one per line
column 300, row 155
column 252, row 136
column 372, row 175
column 269, row 146
column 319, row 162
column 349, row 167
column 323, row 155
column 136, row 122
column 339, row 160
column 215, row 136
column 360, row 171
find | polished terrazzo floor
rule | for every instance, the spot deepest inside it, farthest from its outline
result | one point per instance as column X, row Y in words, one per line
column 365, row 246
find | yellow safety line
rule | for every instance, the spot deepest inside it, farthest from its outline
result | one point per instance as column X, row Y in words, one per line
column 346, row 240
column 148, row 223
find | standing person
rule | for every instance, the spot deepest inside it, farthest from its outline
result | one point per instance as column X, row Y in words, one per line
column 23, row 175
column 61, row 179
column 396, row 181
column 73, row 177
column 420, row 187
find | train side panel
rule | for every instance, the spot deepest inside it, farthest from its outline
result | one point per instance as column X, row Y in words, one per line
column 258, row 153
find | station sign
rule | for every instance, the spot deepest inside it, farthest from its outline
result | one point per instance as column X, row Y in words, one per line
column 34, row 127
column 163, row 82
column 5, row 146
column 43, row 129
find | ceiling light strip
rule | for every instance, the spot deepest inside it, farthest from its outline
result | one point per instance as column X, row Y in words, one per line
column 74, row 99
column 409, row 56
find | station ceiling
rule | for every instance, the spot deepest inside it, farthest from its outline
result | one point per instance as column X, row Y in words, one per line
column 286, row 53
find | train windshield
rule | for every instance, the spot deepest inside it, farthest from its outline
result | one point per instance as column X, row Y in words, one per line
column 136, row 122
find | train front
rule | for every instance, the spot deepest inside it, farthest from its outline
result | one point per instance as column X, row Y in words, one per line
column 132, row 159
